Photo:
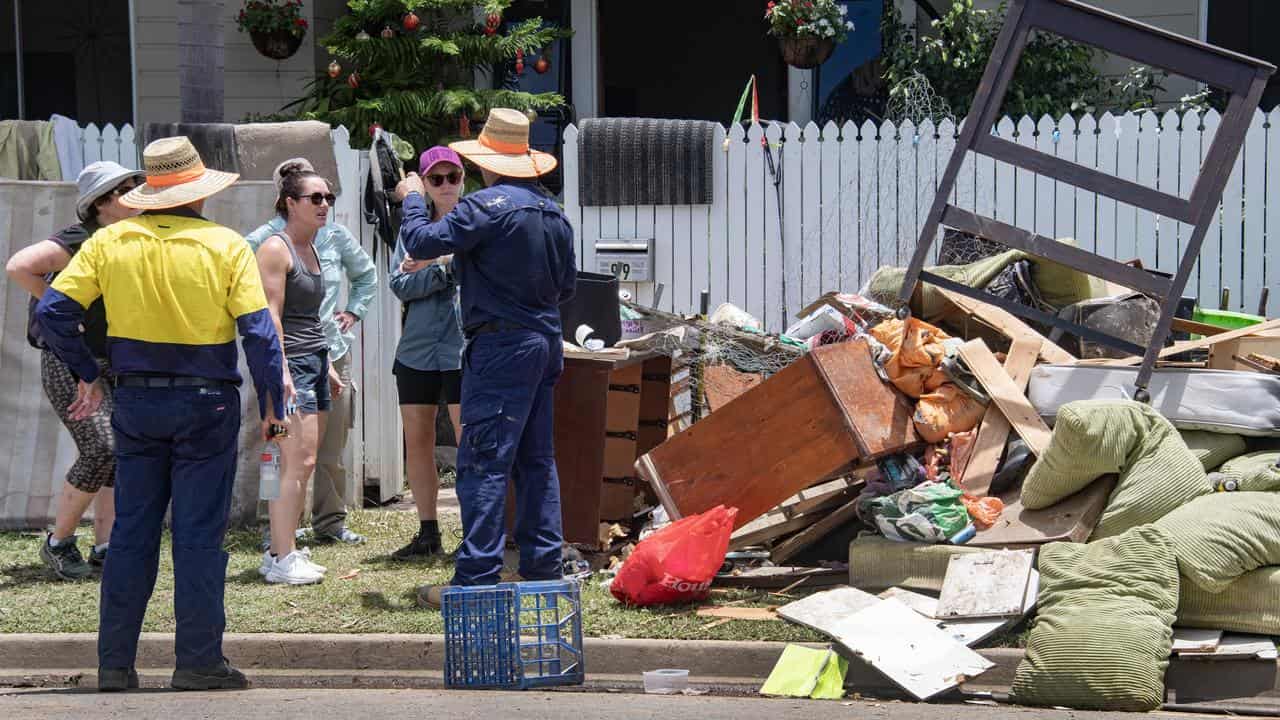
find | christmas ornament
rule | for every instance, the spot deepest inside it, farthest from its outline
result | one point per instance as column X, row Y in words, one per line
column 532, row 115
column 519, row 62
column 334, row 69
column 542, row 65
column 374, row 128
column 388, row 32
column 353, row 80
column 491, row 23
column 410, row 22
column 362, row 36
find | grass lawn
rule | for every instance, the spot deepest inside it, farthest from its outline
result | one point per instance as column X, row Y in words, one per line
column 379, row 598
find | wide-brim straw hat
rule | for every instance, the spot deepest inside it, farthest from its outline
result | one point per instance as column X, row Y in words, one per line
column 503, row 147
column 98, row 179
column 176, row 176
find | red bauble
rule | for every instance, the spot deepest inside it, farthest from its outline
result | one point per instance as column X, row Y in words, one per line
column 374, row 128
column 334, row 69
column 542, row 65
column 353, row 80
column 411, row 22
column 491, row 23
column 519, row 67
column 490, row 31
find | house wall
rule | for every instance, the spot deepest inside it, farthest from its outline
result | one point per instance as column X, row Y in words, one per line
column 253, row 83
column 1184, row 17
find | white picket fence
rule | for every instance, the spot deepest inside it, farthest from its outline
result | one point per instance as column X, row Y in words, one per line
column 853, row 199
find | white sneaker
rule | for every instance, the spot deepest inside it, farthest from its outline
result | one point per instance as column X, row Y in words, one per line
column 266, row 563
column 306, row 554
column 293, row 569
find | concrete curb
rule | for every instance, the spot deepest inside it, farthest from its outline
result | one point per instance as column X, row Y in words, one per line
column 419, row 659
column 394, row 661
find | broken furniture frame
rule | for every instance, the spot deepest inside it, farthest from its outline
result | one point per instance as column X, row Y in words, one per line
column 1243, row 77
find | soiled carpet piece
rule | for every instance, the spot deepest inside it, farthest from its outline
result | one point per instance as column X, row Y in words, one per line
column 1091, row 438
column 877, row 563
column 1105, row 625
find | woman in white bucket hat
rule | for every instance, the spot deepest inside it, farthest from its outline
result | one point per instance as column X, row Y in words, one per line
column 101, row 186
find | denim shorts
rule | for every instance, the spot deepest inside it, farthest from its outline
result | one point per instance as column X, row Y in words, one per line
column 311, row 381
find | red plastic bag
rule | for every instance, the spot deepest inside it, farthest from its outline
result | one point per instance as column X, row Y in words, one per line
column 676, row 564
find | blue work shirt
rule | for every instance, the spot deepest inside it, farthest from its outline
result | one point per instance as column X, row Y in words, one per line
column 432, row 338
column 512, row 253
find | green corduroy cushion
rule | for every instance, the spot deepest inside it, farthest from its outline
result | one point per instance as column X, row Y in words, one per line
column 1255, row 472
column 1212, row 448
column 1105, row 626
column 1250, row 604
column 1092, row 438
column 1222, row 536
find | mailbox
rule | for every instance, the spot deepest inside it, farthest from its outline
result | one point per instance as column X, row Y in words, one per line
column 628, row 260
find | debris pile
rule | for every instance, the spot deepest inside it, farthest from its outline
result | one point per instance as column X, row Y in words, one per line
column 956, row 473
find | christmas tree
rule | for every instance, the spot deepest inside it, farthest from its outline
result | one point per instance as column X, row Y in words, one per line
column 409, row 66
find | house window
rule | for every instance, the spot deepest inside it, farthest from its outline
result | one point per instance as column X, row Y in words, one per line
column 1248, row 27
column 74, row 56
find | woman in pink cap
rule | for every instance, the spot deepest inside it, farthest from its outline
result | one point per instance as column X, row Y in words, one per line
column 429, row 357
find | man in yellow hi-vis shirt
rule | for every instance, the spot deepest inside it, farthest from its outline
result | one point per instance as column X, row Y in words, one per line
column 177, row 288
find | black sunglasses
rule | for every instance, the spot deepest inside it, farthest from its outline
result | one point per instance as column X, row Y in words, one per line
column 437, row 180
column 121, row 189
column 318, row 197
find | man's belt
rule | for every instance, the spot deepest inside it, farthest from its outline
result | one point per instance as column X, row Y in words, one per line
column 492, row 326
column 167, row 381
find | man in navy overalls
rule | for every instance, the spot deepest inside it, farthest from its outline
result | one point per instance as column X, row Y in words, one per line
column 513, row 256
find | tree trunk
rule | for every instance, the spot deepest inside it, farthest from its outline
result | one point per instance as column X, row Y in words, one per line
column 200, row 60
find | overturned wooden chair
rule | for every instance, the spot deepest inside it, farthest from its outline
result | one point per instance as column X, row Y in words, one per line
column 1244, row 78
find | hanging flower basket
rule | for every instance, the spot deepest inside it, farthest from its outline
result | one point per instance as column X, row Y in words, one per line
column 275, row 26
column 278, row 44
column 807, row 30
column 804, row 51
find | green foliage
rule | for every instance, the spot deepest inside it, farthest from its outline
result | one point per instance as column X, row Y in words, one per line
column 267, row 16
column 419, row 84
column 814, row 18
column 1054, row 77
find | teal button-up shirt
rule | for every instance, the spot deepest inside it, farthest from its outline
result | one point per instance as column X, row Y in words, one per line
column 340, row 257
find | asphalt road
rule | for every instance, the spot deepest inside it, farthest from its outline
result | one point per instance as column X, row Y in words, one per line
column 388, row 704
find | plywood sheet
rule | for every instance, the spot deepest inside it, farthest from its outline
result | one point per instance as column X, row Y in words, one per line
column 1071, row 520
column 985, row 585
column 1191, row 641
column 822, row 610
column 908, row 648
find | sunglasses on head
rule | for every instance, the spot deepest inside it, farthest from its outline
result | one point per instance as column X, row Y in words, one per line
column 437, row 179
column 318, row 197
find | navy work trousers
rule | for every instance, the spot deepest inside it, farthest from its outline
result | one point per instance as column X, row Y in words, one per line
column 174, row 444
column 508, row 387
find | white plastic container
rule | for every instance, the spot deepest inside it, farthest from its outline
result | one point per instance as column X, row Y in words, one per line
column 666, row 681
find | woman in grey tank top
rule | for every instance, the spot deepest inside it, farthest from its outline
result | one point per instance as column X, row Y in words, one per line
column 294, row 284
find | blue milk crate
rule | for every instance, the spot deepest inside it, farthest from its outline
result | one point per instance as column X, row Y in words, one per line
column 513, row 635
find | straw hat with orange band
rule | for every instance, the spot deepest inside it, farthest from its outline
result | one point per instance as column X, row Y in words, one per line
column 176, row 176
column 503, row 147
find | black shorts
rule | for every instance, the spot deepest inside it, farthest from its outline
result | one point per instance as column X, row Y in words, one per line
column 427, row 387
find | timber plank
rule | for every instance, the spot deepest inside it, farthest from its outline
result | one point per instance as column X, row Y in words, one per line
column 814, row 533
column 1008, row 324
column 993, row 433
column 1006, row 395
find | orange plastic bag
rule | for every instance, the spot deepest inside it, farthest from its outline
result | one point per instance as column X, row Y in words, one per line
column 946, row 410
column 917, row 350
column 677, row 563
column 985, row 511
